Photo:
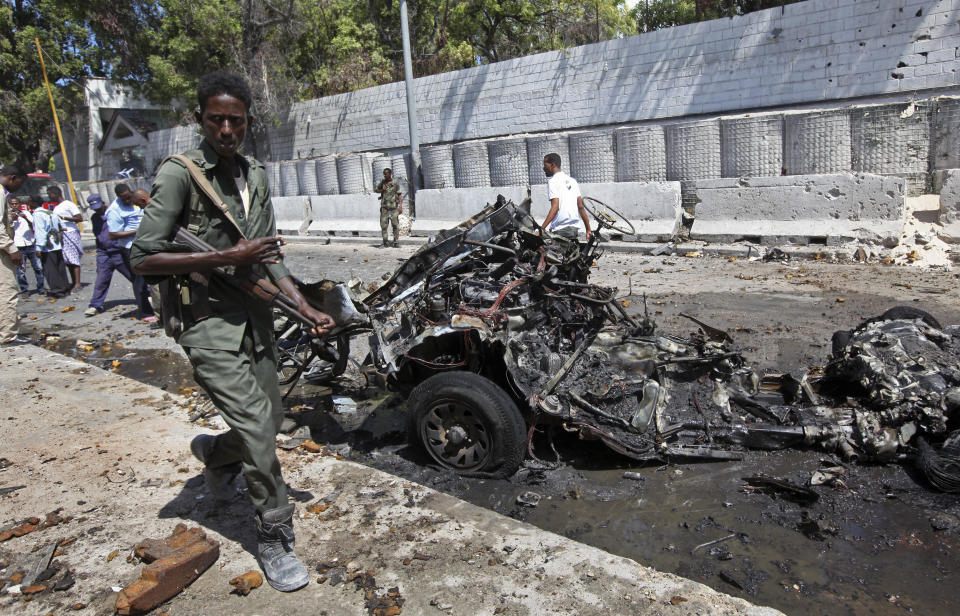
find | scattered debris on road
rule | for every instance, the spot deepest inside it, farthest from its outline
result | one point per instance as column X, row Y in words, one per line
column 244, row 584
column 32, row 524
column 173, row 563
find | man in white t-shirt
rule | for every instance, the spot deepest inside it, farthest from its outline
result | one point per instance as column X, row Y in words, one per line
column 70, row 215
column 25, row 243
column 567, row 213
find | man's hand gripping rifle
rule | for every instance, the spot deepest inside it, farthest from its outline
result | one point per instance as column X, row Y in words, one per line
column 245, row 279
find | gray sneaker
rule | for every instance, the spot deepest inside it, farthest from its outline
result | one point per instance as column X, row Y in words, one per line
column 219, row 480
column 275, row 541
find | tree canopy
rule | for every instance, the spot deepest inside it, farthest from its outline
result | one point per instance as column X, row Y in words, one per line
column 288, row 50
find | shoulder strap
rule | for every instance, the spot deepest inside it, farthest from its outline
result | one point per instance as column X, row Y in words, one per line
column 206, row 188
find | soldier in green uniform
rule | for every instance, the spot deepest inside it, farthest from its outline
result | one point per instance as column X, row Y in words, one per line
column 230, row 342
column 391, row 206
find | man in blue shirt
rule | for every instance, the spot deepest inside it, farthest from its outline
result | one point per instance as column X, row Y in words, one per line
column 123, row 219
column 47, row 232
column 109, row 256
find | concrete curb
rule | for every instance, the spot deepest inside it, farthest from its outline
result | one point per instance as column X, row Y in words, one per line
column 65, row 442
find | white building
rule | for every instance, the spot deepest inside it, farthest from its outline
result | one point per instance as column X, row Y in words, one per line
column 111, row 133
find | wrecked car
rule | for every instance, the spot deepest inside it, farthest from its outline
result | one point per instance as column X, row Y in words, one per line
column 492, row 329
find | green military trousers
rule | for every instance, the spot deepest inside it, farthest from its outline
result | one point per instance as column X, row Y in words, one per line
column 391, row 216
column 243, row 386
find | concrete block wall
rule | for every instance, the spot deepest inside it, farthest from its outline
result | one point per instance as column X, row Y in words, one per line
column 819, row 50
column 163, row 143
column 908, row 140
column 652, row 95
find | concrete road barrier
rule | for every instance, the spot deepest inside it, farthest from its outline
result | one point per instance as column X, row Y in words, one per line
column 356, row 214
column 652, row 207
column 444, row 208
column 292, row 213
column 950, row 206
column 800, row 209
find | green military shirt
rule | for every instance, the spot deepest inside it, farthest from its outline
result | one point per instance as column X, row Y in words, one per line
column 173, row 197
column 390, row 197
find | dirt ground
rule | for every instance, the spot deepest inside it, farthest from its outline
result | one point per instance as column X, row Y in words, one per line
column 885, row 543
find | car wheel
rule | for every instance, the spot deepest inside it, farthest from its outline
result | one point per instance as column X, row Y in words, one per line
column 467, row 423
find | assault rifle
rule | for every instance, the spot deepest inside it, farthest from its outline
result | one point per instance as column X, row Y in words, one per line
column 243, row 278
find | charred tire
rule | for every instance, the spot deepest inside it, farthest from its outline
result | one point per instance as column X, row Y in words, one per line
column 909, row 312
column 467, row 423
column 902, row 312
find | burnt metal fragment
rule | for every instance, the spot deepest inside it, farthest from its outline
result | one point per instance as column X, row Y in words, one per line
column 782, row 487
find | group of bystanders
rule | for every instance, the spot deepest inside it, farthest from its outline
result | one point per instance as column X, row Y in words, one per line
column 49, row 241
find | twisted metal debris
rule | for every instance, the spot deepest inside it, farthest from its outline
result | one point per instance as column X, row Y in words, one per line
column 499, row 297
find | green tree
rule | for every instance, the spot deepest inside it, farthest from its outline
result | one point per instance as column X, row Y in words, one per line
column 27, row 134
column 503, row 29
column 655, row 14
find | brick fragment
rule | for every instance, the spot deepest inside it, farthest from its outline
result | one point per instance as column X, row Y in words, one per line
column 311, row 447
column 150, row 550
column 243, row 584
column 32, row 524
column 33, row 589
column 185, row 555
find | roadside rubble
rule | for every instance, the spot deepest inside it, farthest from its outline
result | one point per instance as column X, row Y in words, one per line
column 172, row 564
column 35, row 574
column 32, row 524
column 244, row 584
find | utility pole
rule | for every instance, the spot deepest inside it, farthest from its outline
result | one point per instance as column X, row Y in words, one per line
column 411, row 108
column 56, row 122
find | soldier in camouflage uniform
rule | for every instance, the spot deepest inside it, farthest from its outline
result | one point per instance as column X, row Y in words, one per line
column 391, row 206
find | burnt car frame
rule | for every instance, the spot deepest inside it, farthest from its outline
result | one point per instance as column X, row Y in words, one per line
column 492, row 329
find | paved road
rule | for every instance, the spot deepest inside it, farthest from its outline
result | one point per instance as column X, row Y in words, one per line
column 783, row 315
